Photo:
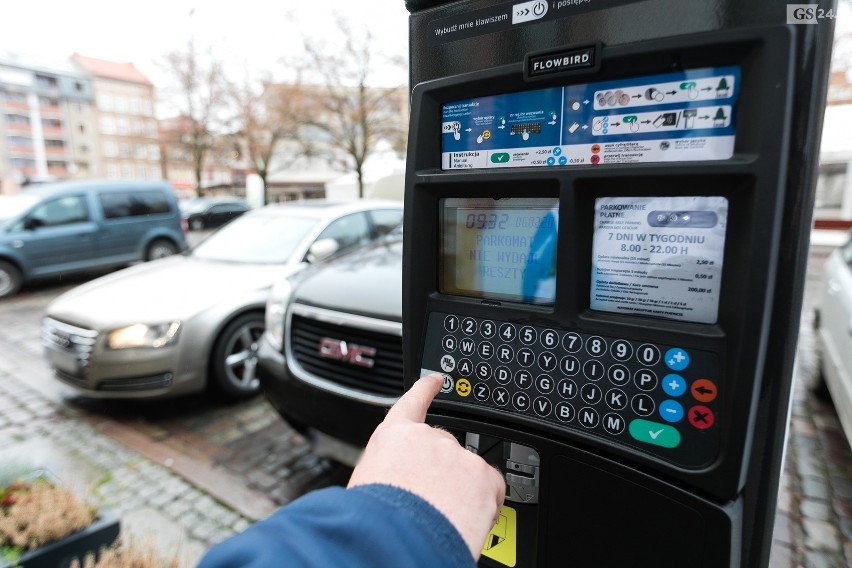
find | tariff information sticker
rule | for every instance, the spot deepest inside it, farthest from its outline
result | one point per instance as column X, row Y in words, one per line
column 659, row 256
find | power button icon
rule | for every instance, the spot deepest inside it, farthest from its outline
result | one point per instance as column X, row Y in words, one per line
column 527, row 11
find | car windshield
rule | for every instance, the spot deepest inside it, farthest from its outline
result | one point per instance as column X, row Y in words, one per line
column 257, row 238
column 13, row 205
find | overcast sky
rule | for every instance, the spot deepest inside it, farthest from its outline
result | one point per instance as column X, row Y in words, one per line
column 256, row 33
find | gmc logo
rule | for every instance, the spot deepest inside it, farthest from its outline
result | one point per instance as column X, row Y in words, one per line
column 347, row 352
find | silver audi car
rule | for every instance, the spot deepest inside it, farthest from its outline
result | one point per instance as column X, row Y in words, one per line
column 176, row 325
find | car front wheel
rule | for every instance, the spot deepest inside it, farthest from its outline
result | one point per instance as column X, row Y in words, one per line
column 10, row 279
column 234, row 363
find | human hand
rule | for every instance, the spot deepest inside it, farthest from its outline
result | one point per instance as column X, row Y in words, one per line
column 429, row 462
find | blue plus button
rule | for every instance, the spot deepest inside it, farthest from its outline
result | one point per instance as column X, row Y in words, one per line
column 551, row 160
column 557, row 150
column 671, row 410
column 674, row 385
column 676, row 359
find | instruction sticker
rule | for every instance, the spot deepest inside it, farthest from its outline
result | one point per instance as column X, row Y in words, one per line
column 659, row 256
column 681, row 116
column 501, row 544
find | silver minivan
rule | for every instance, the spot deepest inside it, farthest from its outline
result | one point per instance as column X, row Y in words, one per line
column 77, row 226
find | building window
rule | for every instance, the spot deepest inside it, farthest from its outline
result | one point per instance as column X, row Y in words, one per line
column 147, row 108
column 48, row 101
column 126, row 170
column 45, row 82
column 78, row 87
column 121, row 104
column 15, row 97
column 107, row 125
column 51, row 122
column 153, row 152
column 19, row 142
column 110, row 148
column 21, row 163
column 139, row 152
column 134, row 105
column 17, row 119
column 55, row 165
column 54, row 144
column 123, row 126
column 106, row 102
column 124, row 149
column 152, row 129
column 112, row 171
column 830, row 185
column 140, row 171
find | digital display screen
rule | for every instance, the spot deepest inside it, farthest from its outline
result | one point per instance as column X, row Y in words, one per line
column 500, row 249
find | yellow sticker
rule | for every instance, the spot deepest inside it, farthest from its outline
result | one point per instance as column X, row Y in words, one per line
column 502, row 542
column 486, row 135
column 463, row 387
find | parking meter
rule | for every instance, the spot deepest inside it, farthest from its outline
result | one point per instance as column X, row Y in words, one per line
column 607, row 217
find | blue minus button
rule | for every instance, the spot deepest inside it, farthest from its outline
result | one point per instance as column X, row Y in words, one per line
column 655, row 433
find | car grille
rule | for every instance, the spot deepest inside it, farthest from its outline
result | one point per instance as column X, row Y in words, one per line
column 308, row 326
column 76, row 341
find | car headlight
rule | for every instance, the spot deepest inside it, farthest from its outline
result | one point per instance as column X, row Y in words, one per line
column 140, row 335
column 276, row 308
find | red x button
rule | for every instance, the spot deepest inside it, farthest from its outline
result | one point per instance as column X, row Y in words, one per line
column 701, row 417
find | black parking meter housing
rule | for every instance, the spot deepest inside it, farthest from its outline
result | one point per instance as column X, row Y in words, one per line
column 608, row 208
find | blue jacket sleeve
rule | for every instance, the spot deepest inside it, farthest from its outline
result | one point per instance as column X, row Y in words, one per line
column 367, row 526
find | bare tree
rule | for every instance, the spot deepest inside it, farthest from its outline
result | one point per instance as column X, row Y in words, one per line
column 352, row 115
column 201, row 90
column 266, row 117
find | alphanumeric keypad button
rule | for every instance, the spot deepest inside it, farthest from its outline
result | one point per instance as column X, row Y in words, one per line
column 483, row 370
column 523, row 379
column 465, row 367
column 525, row 356
column 645, row 379
column 449, row 343
column 527, row 335
column 618, row 374
column 507, row 332
column 569, row 365
column 564, row 411
column 500, row 396
column 468, row 326
column 502, row 375
column 594, row 370
column 485, row 350
column 481, row 392
column 544, row 384
column 505, row 354
column 588, row 417
column 521, row 401
column 613, row 424
column 487, row 329
column 572, row 342
column 467, row 346
column 591, row 393
column 642, row 404
column 448, row 363
column 620, row 350
column 648, row 354
column 542, row 406
column 549, row 339
column 451, row 323
column 567, row 388
column 547, row 361
column 616, row 399
column 595, row 346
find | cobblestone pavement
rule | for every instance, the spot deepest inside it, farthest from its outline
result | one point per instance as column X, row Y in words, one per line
column 190, row 472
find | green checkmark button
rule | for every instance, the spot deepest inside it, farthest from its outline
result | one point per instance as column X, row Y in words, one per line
column 499, row 157
column 655, row 433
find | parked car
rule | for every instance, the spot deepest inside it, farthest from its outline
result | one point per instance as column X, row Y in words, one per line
column 210, row 212
column 69, row 227
column 180, row 324
column 330, row 361
column 833, row 327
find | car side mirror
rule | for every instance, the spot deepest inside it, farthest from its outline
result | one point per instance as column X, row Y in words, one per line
column 322, row 249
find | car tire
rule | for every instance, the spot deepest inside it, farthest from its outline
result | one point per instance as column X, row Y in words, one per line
column 11, row 279
column 234, row 358
column 160, row 248
column 196, row 224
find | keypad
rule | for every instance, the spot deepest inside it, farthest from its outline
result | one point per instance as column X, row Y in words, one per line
column 659, row 399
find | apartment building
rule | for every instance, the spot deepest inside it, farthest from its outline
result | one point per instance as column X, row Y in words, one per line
column 46, row 121
column 125, row 127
